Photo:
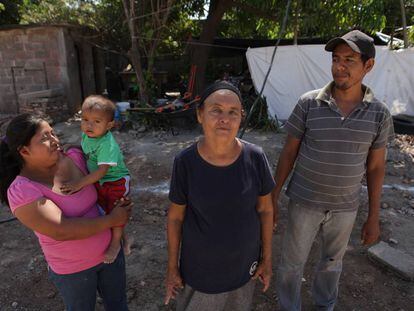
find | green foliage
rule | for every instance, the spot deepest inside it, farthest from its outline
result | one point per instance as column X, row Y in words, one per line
column 173, row 36
column 315, row 19
column 152, row 87
column 180, row 29
column 328, row 18
column 109, row 22
column 78, row 12
column 259, row 118
column 9, row 12
column 106, row 17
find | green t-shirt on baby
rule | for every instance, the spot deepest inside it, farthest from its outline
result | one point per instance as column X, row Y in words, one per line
column 104, row 150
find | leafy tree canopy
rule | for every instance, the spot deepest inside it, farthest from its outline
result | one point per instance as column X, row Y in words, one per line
column 9, row 12
column 246, row 18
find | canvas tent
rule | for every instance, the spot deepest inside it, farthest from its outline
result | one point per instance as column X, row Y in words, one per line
column 301, row 68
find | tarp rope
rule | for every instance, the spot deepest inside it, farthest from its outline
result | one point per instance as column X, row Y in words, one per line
column 281, row 35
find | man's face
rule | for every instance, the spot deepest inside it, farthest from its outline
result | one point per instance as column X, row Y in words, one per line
column 348, row 68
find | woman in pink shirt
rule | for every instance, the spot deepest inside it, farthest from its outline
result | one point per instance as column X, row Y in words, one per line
column 72, row 233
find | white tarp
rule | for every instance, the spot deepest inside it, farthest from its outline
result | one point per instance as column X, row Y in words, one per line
column 301, row 68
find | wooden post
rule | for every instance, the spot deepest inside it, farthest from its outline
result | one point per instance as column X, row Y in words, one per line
column 296, row 27
column 404, row 24
column 391, row 42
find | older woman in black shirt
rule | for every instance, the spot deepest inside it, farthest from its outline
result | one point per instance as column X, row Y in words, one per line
column 221, row 212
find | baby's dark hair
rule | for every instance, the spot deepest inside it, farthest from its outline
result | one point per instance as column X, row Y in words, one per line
column 98, row 102
column 18, row 134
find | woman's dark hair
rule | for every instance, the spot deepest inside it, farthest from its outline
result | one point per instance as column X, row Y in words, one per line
column 18, row 134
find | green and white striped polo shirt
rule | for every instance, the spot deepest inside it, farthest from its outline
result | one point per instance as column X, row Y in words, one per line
column 332, row 157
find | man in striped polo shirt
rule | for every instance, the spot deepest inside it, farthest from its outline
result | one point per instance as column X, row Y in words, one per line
column 335, row 136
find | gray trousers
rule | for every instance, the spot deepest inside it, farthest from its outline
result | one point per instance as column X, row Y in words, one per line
column 303, row 225
column 237, row 300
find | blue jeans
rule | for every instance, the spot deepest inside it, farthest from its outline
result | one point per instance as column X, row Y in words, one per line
column 304, row 223
column 78, row 290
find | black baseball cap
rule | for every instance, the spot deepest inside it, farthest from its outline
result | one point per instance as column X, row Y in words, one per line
column 356, row 40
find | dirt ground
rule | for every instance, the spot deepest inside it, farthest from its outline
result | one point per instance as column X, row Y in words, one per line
column 364, row 285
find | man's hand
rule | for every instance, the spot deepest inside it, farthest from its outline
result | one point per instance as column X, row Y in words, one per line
column 285, row 164
column 370, row 232
column 264, row 274
column 375, row 177
column 173, row 283
column 70, row 188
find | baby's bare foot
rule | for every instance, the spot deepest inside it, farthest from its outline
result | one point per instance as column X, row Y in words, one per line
column 127, row 245
column 112, row 252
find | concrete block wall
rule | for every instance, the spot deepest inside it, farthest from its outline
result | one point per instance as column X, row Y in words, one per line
column 71, row 62
column 27, row 51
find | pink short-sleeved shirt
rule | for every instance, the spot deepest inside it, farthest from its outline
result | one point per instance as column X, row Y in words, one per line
column 65, row 257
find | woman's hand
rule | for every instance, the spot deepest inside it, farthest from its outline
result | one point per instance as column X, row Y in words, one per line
column 173, row 281
column 173, row 284
column 264, row 274
column 265, row 210
column 121, row 212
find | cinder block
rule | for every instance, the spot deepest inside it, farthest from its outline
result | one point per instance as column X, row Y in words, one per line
column 38, row 37
column 18, row 62
column 42, row 54
column 5, row 80
column 5, row 72
column 39, row 78
column 24, row 80
column 35, row 87
column 6, row 88
column 397, row 260
column 34, row 46
column 8, row 54
column 34, row 64
column 17, row 46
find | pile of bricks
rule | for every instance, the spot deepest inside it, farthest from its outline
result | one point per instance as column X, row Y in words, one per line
column 4, row 122
column 50, row 103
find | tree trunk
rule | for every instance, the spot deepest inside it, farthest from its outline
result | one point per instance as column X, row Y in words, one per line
column 162, row 22
column 404, row 24
column 135, row 58
column 134, row 53
column 391, row 42
column 201, row 52
column 296, row 26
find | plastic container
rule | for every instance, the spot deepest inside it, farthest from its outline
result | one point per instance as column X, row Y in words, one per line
column 123, row 106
